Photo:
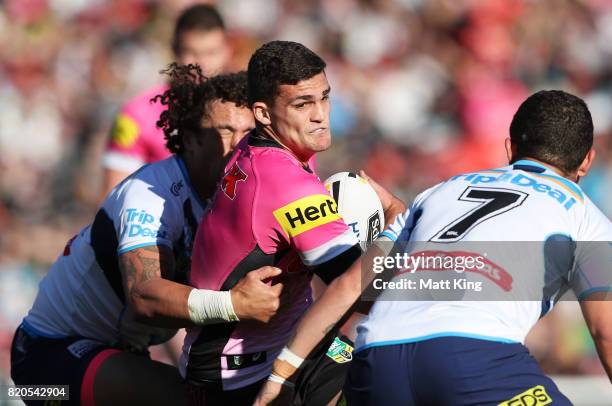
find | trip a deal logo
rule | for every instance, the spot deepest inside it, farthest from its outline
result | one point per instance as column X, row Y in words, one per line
column 306, row 213
column 139, row 223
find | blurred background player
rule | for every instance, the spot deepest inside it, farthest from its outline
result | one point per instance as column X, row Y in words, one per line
column 441, row 352
column 199, row 38
column 115, row 290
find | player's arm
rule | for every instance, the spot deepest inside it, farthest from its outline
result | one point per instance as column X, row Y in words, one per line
column 337, row 302
column 591, row 279
column 154, row 298
column 325, row 314
column 597, row 311
column 158, row 301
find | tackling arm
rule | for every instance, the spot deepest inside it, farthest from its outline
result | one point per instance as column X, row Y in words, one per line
column 158, row 301
column 153, row 298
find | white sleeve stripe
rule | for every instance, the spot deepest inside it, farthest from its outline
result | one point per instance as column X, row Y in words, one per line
column 121, row 162
column 330, row 249
column 398, row 225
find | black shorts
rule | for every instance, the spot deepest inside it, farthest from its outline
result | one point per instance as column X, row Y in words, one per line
column 320, row 378
column 324, row 373
column 43, row 360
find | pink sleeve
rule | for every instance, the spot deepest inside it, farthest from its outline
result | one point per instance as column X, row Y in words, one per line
column 126, row 133
column 134, row 132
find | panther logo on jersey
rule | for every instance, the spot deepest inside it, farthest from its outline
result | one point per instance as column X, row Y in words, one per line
column 231, row 178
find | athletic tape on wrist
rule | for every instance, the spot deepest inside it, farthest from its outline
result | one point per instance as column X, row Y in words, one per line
column 210, row 306
column 282, row 381
column 292, row 358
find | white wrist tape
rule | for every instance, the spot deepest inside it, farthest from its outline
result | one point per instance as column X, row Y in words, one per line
column 290, row 357
column 282, row 381
column 210, row 306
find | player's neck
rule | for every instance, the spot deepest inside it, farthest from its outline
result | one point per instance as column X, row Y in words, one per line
column 267, row 132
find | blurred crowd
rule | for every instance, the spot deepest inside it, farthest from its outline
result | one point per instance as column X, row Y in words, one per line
column 421, row 89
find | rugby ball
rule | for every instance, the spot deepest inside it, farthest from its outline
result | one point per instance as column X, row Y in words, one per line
column 358, row 204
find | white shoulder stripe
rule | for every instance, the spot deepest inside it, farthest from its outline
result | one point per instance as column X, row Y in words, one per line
column 330, row 249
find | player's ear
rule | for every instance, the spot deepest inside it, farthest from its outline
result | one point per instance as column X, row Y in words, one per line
column 261, row 113
column 586, row 163
column 509, row 150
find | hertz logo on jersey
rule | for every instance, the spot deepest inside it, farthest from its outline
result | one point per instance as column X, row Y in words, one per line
column 535, row 396
column 306, row 213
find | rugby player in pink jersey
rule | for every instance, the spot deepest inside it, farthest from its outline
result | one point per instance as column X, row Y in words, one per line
column 199, row 38
column 271, row 209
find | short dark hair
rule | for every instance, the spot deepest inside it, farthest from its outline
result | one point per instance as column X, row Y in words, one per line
column 280, row 63
column 202, row 17
column 554, row 127
column 189, row 96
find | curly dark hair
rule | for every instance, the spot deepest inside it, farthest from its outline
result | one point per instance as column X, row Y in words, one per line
column 280, row 63
column 554, row 127
column 189, row 96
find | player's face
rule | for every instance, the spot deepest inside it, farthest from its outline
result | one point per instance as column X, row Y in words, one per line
column 230, row 122
column 300, row 116
column 209, row 49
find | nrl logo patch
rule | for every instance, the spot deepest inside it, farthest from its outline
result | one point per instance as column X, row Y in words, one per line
column 340, row 351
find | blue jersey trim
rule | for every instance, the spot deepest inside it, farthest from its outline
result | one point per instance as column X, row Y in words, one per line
column 532, row 163
column 570, row 185
column 432, row 336
column 33, row 331
column 183, row 168
column 587, row 292
column 146, row 244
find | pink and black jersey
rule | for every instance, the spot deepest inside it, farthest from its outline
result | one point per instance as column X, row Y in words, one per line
column 135, row 138
column 269, row 209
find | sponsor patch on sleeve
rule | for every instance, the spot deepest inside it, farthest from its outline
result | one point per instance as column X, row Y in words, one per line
column 138, row 224
column 306, row 213
column 535, row 396
column 124, row 131
column 340, row 351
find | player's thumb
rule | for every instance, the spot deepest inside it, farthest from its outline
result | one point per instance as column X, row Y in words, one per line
column 277, row 289
column 364, row 175
column 267, row 272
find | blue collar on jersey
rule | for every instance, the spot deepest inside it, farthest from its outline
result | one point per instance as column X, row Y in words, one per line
column 536, row 167
column 183, row 168
column 529, row 166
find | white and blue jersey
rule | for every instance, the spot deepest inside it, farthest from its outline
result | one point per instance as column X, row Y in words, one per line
column 82, row 295
column 512, row 205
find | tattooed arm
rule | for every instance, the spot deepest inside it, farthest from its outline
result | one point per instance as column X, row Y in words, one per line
column 153, row 297
column 158, row 301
